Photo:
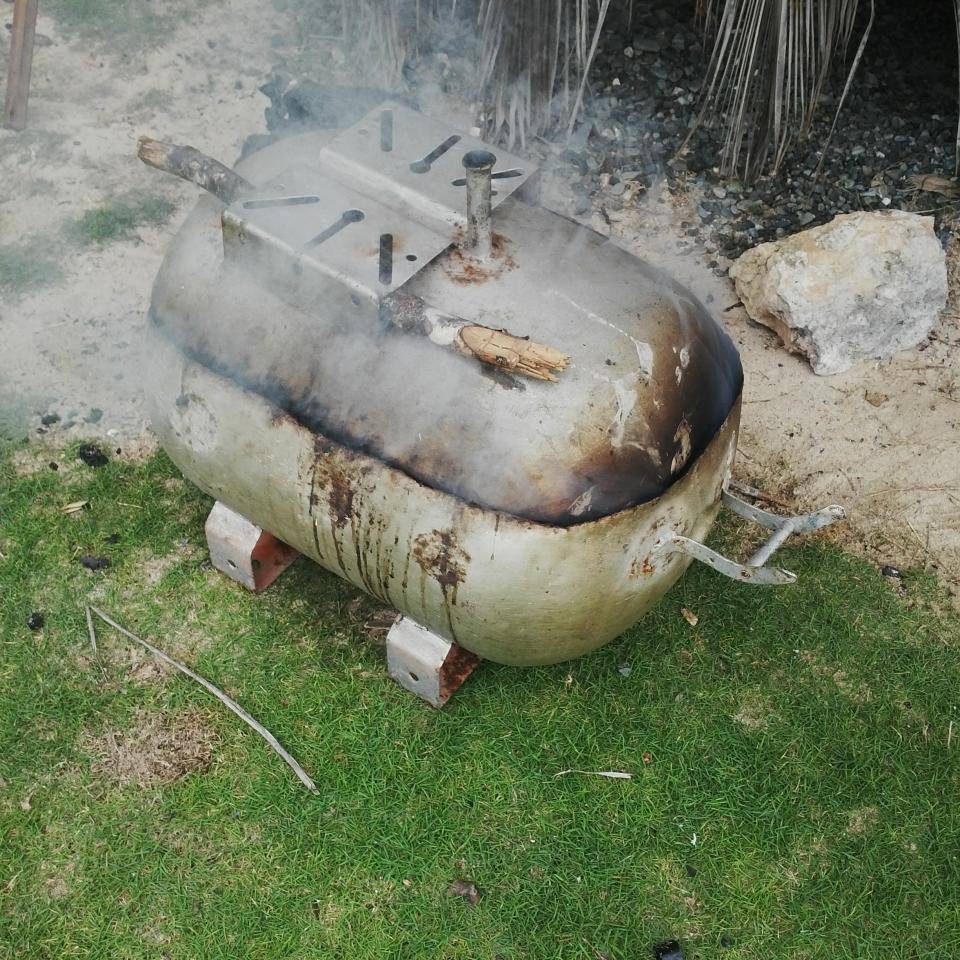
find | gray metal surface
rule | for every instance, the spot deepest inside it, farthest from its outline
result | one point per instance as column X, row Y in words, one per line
column 367, row 210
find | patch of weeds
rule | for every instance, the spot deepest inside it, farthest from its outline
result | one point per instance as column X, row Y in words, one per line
column 118, row 219
column 26, row 266
column 127, row 25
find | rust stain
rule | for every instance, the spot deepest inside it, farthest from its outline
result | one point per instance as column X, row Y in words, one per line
column 440, row 555
column 456, row 668
column 463, row 269
column 641, row 568
column 340, row 498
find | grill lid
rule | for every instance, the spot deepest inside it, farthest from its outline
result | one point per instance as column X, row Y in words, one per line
column 289, row 304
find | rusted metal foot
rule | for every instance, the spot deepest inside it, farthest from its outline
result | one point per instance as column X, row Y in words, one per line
column 425, row 664
column 243, row 551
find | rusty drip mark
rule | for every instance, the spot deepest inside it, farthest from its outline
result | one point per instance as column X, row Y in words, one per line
column 312, row 505
column 440, row 555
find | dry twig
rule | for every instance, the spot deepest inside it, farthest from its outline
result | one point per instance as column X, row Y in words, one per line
column 91, row 632
column 229, row 703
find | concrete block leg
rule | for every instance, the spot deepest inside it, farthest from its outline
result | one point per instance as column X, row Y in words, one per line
column 425, row 664
column 243, row 551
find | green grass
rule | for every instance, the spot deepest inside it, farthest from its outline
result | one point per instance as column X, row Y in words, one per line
column 800, row 735
column 118, row 219
column 25, row 267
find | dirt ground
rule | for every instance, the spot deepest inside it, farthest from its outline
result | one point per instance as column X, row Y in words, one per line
column 883, row 439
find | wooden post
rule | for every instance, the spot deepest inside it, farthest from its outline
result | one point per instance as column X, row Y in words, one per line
column 21, row 60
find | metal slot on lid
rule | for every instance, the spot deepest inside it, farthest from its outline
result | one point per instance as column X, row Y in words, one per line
column 364, row 218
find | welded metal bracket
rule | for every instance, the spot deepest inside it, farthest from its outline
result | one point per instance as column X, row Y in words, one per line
column 754, row 571
column 243, row 551
column 374, row 206
column 425, row 664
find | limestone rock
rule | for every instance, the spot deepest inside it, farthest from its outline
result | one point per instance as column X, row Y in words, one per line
column 864, row 285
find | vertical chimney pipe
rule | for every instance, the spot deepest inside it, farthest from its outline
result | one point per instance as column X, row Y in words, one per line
column 478, row 165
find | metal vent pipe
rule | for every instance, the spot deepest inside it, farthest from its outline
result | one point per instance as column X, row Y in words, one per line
column 479, row 166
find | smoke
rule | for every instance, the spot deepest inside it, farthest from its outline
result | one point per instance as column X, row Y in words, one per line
column 620, row 425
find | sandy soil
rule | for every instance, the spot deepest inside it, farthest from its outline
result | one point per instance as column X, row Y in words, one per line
column 882, row 439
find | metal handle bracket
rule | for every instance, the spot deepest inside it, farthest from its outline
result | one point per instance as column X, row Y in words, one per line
column 755, row 570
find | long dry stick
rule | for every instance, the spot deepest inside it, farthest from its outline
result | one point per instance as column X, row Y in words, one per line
column 601, row 18
column 91, row 632
column 230, row 704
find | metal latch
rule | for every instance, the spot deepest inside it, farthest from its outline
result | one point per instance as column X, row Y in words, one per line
column 754, row 571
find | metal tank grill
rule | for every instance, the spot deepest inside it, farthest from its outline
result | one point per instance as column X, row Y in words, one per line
column 303, row 376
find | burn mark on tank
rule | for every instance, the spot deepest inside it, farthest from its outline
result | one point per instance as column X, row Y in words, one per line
column 683, row 438
column 625, row 477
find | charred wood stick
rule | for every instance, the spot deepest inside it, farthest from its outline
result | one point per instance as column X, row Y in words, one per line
column 498, row 348
column 191, row 164
column 20, row 64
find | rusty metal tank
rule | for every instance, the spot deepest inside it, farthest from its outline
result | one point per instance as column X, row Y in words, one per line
column 527, row 520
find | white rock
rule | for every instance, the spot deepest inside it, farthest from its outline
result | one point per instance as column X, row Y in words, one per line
column 864, row 285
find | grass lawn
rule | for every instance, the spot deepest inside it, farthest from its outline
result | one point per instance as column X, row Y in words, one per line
column 794, row 794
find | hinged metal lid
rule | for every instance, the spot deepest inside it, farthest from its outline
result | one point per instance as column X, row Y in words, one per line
column 381, row 201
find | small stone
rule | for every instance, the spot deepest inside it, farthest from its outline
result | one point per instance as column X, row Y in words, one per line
column 35, row 621
column 624, row 669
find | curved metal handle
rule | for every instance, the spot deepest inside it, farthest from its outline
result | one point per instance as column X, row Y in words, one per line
column 754, row 571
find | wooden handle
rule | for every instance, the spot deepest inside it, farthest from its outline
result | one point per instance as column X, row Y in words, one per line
column 190, row 164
